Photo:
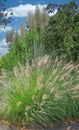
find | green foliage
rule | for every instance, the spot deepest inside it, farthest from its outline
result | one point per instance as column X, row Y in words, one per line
column 40, row 94
column 9, row 61
column 14, row 56
column 62, row 34
column 23, row 50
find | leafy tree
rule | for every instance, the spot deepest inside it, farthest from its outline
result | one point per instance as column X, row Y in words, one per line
column 3, row 14
column 62, row 32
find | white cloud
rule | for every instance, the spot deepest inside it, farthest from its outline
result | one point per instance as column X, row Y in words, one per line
column 22, row 10
column 3, row 43
column 5, row 29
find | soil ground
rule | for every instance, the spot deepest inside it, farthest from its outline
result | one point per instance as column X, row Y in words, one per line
column 63, row 126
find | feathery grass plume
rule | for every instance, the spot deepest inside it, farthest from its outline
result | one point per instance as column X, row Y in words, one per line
column 41, row 93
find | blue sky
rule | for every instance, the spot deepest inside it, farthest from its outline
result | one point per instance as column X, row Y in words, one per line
column 12, row 3
column 20, row 11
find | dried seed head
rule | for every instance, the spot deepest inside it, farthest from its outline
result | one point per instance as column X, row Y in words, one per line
column 27, row 108
column 53, row 89
column 45, row 96
column 28, row 69
column 39, row 82
column 33, row 97
column 57, row 96
column 67, row 83
column 75, row 88
column 19, row 103
column 42, row 103
column 15, row 72
column 4, row 74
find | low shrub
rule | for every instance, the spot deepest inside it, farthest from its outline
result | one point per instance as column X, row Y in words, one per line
column 41, row 93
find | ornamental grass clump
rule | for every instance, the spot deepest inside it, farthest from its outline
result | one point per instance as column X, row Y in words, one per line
column 40, row 93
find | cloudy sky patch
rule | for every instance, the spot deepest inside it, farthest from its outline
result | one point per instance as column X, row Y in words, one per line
column 22, row 10
column 3, row 47
column 5, row 29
